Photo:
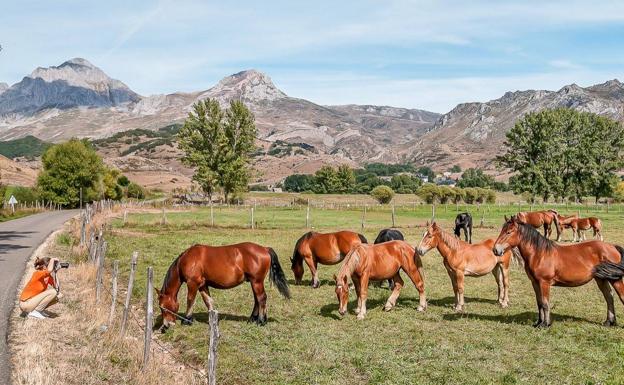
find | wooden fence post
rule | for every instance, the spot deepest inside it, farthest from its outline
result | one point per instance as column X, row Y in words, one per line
column 363, row 217
column 393, row 217
column 114, row 292
column 308, row 215
column 252, row 226
column 432, row 212
column 125, row 217
column 149, row 315
column 124, row 319
column 213, row 321
column 211, row 215
column 100, row 271
column 163, row 221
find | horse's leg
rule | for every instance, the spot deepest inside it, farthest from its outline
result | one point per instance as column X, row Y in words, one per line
column 258, row 288
column 356, row 283
column 205, row 293
column 459, row 277
column 470, row 234
column 363, row 295
column 606, row 292
column 311, row 262
column 545, row 294
column 619, row 289
column 547, row 230
column 416, row 276
column 256, row 309
column 451, row 275
column 538, row 299
column 498, row 276
column 505, row 276
column 398, row 285
column 192, row 288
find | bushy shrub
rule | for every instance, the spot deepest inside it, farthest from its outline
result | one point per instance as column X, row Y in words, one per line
column 383, row 194
column 135, row 191
column 429, row 192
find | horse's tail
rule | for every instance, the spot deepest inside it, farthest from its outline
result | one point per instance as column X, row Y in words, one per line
column 362, row 238
column 516, row 257
column 296, row 256
column 277, row 276
column 557, row 225
column 609, row 270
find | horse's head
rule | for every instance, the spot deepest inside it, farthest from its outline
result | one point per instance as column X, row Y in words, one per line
column 297, row 269
column 429, row 239
column 169, row 306
column 508, row 236
column 342, row 292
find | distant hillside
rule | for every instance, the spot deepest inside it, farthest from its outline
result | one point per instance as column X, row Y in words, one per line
column 28, row 147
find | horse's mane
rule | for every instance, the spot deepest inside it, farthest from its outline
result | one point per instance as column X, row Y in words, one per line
column 540, row 242
column 351, row 261
column 172, row 269
column 450, row 240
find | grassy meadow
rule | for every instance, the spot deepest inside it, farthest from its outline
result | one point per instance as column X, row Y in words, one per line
column 306, row 342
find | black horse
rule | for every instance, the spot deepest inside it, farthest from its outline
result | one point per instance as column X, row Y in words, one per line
column 464, row 221
column 387, row 235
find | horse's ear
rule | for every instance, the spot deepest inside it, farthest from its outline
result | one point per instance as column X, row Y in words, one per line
column 335, row 278
column 345, row 280
column 157, row 291
column 506, row 219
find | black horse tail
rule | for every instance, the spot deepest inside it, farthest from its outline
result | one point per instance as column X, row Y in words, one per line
column 296, row 256
column 277, row 276
column 609, row 270
column 362, row 238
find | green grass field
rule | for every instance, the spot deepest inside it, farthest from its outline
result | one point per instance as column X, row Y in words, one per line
column 305, row 341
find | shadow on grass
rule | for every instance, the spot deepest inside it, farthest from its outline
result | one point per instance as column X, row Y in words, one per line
column 202, row 317
column 331, row 309
column 527, row 317
column 450, row 301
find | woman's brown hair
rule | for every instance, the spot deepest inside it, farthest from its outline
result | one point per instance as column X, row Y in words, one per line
column 42, row 263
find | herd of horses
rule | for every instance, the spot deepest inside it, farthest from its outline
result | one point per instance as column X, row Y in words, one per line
column 545, row 261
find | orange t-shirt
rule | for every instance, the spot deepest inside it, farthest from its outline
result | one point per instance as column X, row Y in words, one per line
column 38, row 284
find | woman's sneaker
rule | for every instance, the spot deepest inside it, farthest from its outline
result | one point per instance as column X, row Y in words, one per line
column 36, row 314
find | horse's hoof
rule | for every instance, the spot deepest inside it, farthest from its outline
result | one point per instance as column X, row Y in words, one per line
column 253, row 318
column 188, row 321
column 388, row 307
column 261, row 321
column 360, row 317
column 504, row 305
column 315, row 285
column 541, row 325
column 421, row 308
column 608, row 323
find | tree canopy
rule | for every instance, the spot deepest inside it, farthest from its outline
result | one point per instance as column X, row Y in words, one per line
column 564, row 153
column 218, row 144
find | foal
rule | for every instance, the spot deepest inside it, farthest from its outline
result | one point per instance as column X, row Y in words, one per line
column 461, row 259
column 379, row 262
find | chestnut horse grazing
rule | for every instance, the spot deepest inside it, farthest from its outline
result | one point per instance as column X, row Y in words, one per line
column 543, row 219
column 581, row 224
column 326, row 249
column 221, row 267
column 379, row 262
column 464, row 259
column 547, row 263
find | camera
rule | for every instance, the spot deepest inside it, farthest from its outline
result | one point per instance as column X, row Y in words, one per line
column 60, row 265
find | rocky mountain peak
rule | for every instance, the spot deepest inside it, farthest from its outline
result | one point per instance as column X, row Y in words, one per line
column 3, row 87
column 74, row 83
column 249, row 86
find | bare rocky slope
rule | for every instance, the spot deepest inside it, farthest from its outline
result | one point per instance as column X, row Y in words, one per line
column 77, row 99
column 471, row 134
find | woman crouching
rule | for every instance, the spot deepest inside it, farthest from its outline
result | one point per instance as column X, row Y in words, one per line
column 40, row 292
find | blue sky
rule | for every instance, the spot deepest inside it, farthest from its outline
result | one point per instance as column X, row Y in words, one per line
column 418, row 54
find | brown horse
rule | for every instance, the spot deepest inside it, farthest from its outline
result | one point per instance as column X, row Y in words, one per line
column 581, row 224
column 547, row 263
column 222, row 267
column 326, row 249
column 464, row 259
column 379, row 262
column 543, row 219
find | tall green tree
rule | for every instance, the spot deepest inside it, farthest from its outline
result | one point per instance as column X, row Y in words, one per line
column 218, row 144
column 564, row 153
column 475, row 177
column 346, row 178
column 68, row 167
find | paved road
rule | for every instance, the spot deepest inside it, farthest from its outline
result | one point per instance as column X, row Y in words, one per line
column 18, row 240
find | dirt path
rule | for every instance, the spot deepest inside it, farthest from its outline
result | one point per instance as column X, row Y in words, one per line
column 18, row 239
